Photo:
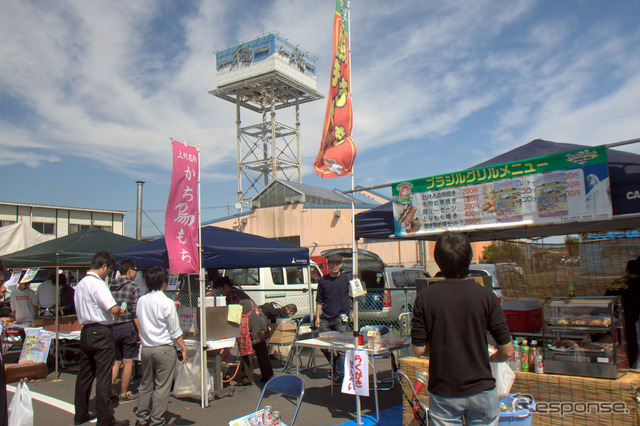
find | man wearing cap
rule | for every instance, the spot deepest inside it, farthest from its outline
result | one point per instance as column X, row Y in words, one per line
column 332, row 307
column 95, row 307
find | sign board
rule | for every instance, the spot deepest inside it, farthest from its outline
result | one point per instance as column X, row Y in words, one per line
column 560, row 188
column 174, row 280
column 36, row 345
column 187, row 318
column 356, row 378
column 29, row 275
column 355, row 288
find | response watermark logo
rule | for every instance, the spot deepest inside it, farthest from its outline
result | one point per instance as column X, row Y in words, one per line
column 579, row 407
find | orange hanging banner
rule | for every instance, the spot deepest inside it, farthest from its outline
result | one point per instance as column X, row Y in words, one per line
column 337, row 150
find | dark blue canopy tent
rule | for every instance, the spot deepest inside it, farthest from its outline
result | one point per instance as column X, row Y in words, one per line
column 223, row 248
column 624, row 178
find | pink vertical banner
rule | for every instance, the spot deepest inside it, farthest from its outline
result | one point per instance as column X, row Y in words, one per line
column 181, row 219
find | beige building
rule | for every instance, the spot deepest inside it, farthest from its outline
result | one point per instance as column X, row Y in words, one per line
column 58, row 221
column 320, row 219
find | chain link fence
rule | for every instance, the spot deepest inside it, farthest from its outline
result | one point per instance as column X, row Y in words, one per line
column 548, row 269
column 374, row 308
column 543, row 270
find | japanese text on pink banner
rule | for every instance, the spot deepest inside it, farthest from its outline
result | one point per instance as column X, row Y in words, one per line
column 181, row 219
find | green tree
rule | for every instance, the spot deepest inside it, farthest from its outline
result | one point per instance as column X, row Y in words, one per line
column 502, row 251
column 573, row 245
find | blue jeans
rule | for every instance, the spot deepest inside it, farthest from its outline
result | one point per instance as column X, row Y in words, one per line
column 478, row 409
column 334, row 324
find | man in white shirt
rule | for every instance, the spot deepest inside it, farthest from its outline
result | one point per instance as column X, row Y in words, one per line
column 95, row 308
column 47, row 295
column 160, row 330
column 24, row 304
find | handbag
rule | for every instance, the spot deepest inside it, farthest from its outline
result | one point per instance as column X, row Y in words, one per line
column 21, row 408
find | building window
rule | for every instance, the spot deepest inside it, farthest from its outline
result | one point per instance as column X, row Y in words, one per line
column 44, row 228
column 75, row 228
column 294, row 241
column 6, row 222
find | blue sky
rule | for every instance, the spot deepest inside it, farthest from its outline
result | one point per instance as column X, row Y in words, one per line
column 90, row 92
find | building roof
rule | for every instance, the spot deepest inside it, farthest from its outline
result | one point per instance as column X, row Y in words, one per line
column 281, row 192
column 48, row 206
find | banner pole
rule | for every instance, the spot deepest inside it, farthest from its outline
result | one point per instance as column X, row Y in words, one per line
column 354, row 247
column 204, row 394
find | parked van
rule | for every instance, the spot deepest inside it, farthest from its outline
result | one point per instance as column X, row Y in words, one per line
column 495, row 275
column 390, row 290
column 278, row 284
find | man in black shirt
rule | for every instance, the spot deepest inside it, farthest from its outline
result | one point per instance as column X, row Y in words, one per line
column 332, row 307
column 450, row 320
column 628, row 288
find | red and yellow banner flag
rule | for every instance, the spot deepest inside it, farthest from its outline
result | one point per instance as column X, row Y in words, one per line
column 337, row 150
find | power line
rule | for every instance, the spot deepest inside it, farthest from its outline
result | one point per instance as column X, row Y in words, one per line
column 145, row 213
column 164, row 210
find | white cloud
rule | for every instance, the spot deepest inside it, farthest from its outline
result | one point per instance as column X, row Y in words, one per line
column 103, row 78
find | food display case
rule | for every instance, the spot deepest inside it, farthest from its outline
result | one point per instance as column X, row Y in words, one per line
column 584, row 336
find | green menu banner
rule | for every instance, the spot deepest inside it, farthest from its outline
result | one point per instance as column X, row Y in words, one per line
column 565, row 187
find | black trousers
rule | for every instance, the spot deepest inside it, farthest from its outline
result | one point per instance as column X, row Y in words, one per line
column 632, row 343
column 96, row 360
column 246, row 367
column 3, row 396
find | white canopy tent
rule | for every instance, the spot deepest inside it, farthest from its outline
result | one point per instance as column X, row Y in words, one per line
column 19, row 236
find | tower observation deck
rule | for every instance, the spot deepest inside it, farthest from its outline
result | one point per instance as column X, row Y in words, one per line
column 263, row 75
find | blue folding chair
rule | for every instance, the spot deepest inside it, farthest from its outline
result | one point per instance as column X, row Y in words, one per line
column 288, row 385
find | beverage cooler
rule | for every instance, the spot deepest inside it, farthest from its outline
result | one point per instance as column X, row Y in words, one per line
column 584, row 336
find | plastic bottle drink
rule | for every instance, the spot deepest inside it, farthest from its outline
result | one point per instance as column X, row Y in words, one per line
column 533, row 351
column 515, row 359
column 539, row 362
column 524, row 356
column 572, row 286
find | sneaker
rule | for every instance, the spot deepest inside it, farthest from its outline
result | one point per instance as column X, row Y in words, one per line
column 127, row 397
column 338, row 380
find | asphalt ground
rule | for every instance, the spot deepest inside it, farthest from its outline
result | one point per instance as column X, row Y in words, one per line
column 53, row 400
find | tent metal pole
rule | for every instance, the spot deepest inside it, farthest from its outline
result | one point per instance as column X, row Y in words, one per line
column 627, row 142
column 57, row 308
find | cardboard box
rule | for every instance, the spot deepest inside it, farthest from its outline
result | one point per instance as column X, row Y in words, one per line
column 283, row 333
column 67, row 323
column 523, row 315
